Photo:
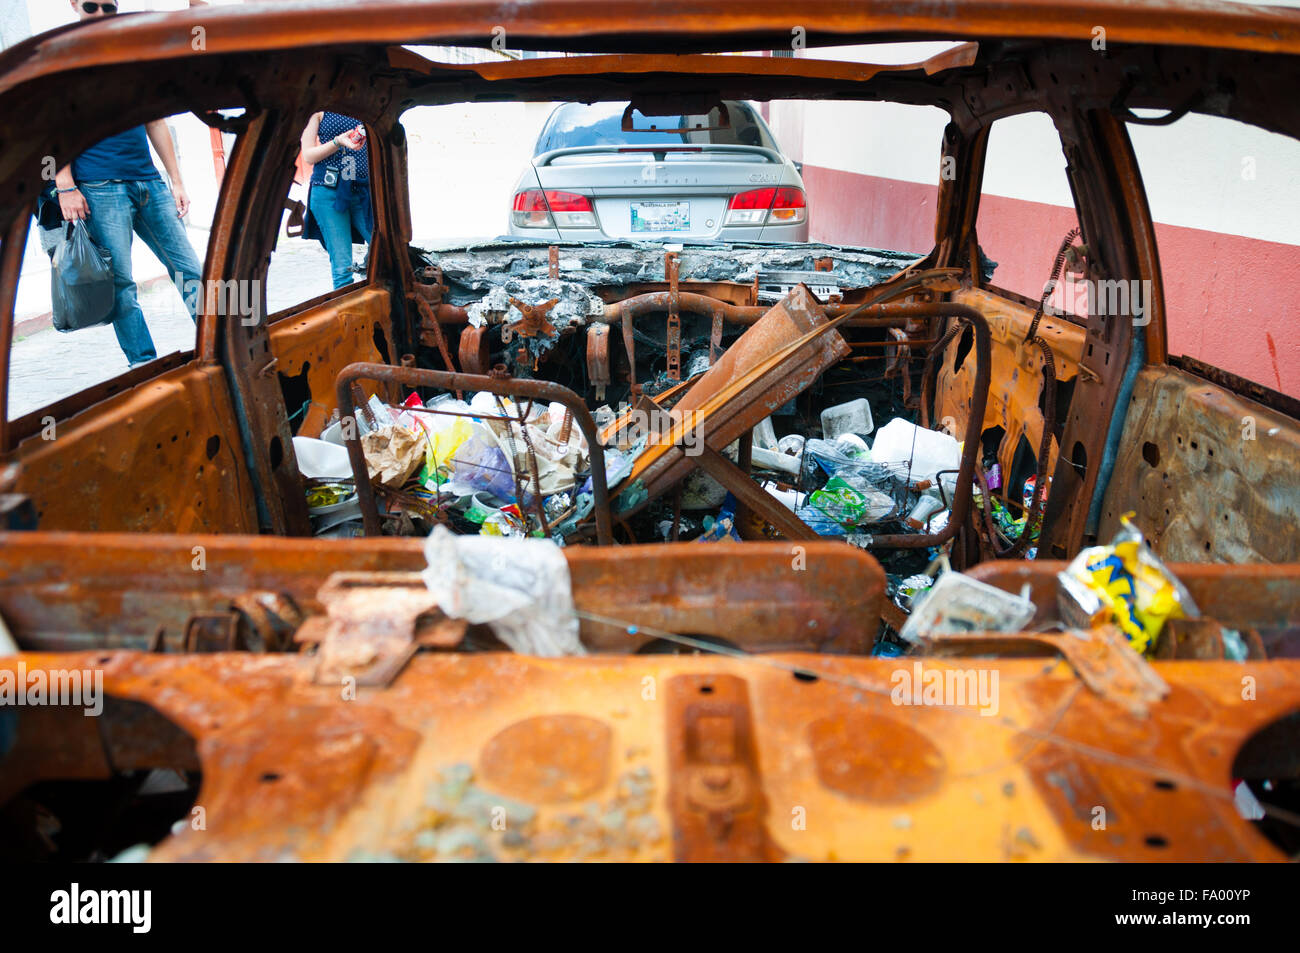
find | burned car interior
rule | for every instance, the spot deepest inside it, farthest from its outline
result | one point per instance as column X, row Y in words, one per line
column 762, row 477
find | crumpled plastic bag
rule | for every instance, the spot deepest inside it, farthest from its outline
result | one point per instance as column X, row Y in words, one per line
column 443, row 437
column 850, row 500
column 81, row 281
column 520, row 588
column 393, row 455
column 481, row 466
column 556, row 467
column 832, row 459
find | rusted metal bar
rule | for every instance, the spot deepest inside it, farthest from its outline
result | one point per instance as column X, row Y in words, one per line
column 891, row 314
column 429, row 322
column 900, row 344
column 629, row 345
column 475, row 350
column 446, row 380
column 598, row 358
column 715, row 339
column 674, row 336
column 10, row 266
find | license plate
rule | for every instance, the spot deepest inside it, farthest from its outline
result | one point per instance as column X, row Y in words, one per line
column 661, row 216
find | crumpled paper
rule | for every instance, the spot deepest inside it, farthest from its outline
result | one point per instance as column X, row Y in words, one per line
column 393, row 455
column 520, row 588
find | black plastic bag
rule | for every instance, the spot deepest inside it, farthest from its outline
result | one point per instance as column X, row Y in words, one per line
column 81, row 281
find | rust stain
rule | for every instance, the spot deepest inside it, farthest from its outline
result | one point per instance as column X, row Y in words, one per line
column 875, row 757
column 549, row 758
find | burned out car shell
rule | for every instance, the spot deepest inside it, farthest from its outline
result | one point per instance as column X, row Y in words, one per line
column 183, row 571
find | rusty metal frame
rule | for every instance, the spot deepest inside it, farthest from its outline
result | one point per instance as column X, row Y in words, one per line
column 450, row 381
column 894, row 315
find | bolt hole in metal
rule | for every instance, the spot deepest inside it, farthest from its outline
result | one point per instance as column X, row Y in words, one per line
column 1155, row 840
column 1164, row 785
column 269, row 777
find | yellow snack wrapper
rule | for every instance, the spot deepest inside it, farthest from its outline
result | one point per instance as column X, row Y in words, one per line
column 1124, row 583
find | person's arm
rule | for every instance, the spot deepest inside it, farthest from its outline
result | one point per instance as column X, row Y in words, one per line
column 161, row 138
column 71, row 202
column 313, row 150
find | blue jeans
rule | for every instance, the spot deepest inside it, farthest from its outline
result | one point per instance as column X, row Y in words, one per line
column 118, row 209
column 336, row 227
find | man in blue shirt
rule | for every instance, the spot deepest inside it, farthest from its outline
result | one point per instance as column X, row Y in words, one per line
column 115, row 189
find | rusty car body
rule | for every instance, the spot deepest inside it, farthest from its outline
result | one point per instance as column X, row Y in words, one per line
column 163, row 538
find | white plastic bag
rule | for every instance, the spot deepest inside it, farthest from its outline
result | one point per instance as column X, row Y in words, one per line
column 520, row 588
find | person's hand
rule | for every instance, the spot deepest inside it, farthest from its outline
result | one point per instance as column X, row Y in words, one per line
column 182, row 199
column 353, row 139
column 73, row 205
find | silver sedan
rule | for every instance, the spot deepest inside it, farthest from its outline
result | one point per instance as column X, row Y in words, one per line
column 607, row 172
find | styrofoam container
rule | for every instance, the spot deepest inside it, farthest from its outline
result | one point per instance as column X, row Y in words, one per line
column 774, row 460
column 853, row 416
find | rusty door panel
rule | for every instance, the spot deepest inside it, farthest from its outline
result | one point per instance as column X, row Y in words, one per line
column 1212, row 476
column 764, row 596
column 582, row 759
column 325, row 339
column 61, row 591
column 161, row 457
column 1241, row 597
column 1017, row 375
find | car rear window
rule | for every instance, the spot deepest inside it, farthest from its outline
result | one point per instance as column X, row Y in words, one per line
column 601, row 124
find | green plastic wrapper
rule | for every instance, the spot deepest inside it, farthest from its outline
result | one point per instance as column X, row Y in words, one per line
column 852, row 501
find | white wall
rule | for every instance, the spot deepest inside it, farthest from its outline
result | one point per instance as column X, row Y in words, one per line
column 1201, row 172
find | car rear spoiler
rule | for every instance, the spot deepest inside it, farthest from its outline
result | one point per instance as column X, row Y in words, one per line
column 770, row 154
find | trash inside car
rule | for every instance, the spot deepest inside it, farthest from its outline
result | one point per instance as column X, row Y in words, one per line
column 659, row 518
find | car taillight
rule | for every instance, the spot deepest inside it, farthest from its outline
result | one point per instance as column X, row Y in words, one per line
column 530, row 209
column 534, row 208
column 788, row 206
column 570, row 210
column 783, row 206
column 749, row 208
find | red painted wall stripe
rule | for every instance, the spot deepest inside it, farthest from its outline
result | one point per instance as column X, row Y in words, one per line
column 1230, row 300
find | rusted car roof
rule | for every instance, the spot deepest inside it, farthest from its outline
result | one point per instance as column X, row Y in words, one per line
column 667, row 26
